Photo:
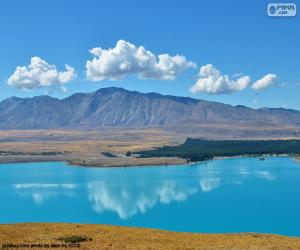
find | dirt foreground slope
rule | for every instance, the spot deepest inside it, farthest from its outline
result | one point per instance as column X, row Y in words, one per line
column 59, row 236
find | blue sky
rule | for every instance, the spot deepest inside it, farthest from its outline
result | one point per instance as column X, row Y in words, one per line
column 237, row 37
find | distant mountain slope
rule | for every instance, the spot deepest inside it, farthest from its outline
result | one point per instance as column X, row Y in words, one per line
column 119, row 107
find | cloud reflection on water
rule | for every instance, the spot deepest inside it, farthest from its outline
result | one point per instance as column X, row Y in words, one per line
column 127, row 201
column 265, row 175
column 209, row 184
column 127, row 196
column 40, row 192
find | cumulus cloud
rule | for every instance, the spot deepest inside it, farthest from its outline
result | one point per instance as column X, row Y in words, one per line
column 211, row 81
column 266, row 81
column 126, row 58
column 38, row 74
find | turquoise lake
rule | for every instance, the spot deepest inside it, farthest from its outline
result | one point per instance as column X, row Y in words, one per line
column 228, row 195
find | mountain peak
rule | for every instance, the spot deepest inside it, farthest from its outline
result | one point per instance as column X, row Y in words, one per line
column 111, row 89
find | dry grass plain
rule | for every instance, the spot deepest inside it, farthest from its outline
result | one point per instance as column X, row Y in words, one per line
column 85, row 147
column 115, row 237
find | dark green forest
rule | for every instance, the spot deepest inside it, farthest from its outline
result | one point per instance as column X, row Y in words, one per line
column 199, row 150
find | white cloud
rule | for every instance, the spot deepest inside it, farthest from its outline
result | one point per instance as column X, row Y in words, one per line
column 125, row 58
column 66, row 76
column 64, row 89
column 266, row 81
column 211, row 81
column 40, row 74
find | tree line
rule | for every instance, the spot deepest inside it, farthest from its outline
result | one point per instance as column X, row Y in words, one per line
column 199, row 150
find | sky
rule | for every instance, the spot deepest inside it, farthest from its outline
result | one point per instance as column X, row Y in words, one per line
column 227, row 51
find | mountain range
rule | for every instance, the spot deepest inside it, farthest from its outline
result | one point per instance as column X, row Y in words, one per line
column 117, row 107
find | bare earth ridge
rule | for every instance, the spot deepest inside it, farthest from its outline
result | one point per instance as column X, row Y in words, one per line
column 116, row 237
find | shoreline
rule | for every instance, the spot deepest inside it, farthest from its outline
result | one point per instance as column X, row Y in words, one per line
column 96, row 236
column 161, row 162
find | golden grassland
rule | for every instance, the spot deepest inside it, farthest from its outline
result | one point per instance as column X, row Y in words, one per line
column 116, row 237
column 85, row 147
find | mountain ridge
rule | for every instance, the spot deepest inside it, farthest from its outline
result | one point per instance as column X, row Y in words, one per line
column 120, row 107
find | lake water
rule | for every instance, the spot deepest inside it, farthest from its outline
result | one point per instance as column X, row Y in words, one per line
column 230, row 195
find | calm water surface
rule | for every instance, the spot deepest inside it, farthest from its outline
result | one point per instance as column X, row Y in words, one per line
column 230, row 195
